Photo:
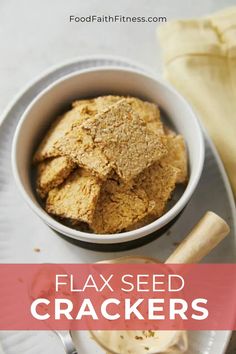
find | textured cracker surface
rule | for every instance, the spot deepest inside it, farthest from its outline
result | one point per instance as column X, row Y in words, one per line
column 129, row 164
column 58, row 129
column 158, row 182
column 123, row 137
column 80, row 111
column 51, row 173
column 177, row 155
column 120, row 206
column 149, row 218
column 150, row 113
column 76, row 198
column 79, row 146
column 98, row 104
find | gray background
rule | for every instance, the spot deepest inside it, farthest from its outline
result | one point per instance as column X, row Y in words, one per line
column 36, row 34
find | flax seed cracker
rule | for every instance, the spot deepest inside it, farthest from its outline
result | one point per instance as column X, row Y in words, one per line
column 119, row 206
column 158, row 182
column 76, row 198
column 51, row 173
column 177, row 155
column 124, row 139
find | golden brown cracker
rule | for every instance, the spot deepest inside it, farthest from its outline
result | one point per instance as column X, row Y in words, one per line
column 177, row 155
column 81, row 110
column 58, row 130
column 150, row 113
column 76, row 198
column 79, row 146
column 158, row 182
column 104, row 102
column 51, row 173
column 119, row 206
column 124, row 139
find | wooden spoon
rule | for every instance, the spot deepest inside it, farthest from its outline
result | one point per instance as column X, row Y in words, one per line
column 203, row 238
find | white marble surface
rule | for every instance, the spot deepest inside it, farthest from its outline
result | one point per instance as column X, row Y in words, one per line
column 36, row 34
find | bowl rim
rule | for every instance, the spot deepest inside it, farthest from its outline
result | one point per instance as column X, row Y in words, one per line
column 127, row 235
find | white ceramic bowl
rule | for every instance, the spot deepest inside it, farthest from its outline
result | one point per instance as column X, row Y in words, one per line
column 94, row 82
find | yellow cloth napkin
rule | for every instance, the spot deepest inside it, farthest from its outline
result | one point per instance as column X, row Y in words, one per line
column 200, row 61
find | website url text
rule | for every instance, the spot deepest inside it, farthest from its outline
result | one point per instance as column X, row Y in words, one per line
column 116, row 19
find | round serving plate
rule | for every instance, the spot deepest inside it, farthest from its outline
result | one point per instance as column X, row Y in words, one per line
column 24, row 238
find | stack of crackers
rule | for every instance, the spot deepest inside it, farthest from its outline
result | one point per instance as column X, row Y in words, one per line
column 109, row 163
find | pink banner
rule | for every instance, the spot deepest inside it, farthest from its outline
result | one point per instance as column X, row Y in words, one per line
column 118, row 296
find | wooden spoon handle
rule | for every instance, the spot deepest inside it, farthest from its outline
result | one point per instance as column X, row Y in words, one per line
column 205, row 236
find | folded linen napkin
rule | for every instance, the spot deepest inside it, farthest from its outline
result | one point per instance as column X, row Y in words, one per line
column 200, row 61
